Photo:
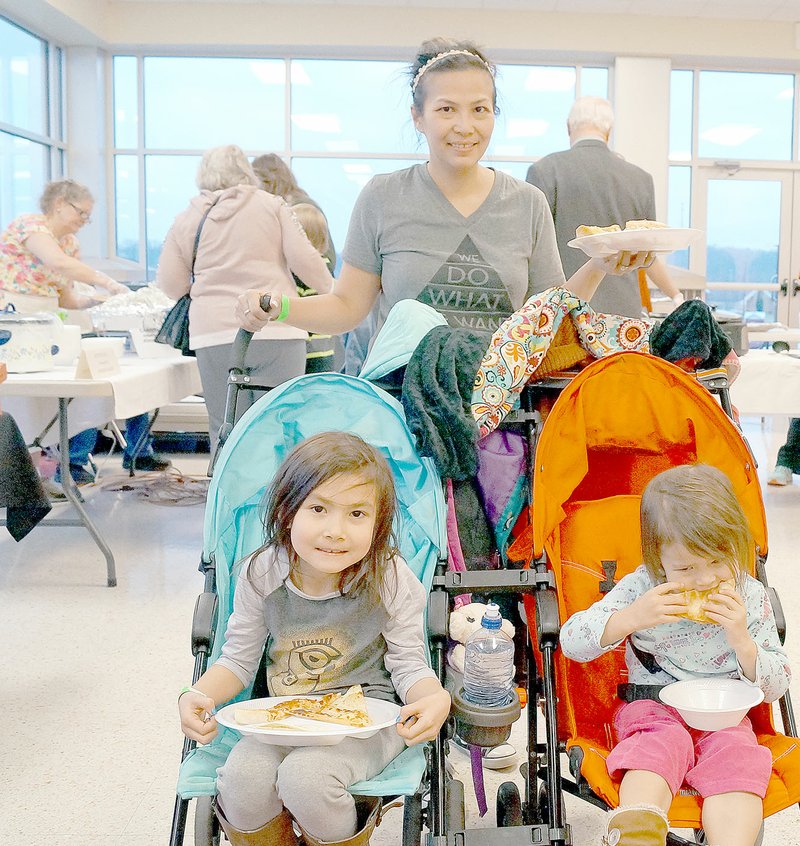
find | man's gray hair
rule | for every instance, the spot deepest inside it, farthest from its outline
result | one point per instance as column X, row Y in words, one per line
column 590, row 113
column 224, row 167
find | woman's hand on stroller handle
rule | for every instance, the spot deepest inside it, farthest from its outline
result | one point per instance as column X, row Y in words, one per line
column 250, row 311
column 421, row 719
column 197, row 721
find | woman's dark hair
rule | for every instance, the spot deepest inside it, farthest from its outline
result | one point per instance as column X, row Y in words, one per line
column 310, row 464
column 432, row 57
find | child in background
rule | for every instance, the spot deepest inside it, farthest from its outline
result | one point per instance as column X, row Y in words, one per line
column 320, row 349
column 334, row 605
column 694, row 537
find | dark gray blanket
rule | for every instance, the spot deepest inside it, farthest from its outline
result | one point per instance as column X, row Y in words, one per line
column 437, row 393
column 21, row 491
column 690, row 332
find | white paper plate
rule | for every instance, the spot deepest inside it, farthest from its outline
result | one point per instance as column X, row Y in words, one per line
column 635, row 240
column 308, row 732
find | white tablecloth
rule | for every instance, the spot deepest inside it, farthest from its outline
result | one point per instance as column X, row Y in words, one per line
column 142, row 385
column 768, row 384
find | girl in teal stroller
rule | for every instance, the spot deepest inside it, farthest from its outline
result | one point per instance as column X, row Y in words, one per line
column 244, row 583
column 335, row 606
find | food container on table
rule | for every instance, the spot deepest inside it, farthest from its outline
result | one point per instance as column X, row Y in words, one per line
column 69, row 345
column 28, row 341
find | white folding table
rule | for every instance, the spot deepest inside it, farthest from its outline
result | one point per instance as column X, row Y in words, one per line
column 769, row 383
column 35, row 400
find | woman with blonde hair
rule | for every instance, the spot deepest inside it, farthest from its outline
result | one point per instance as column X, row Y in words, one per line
column 40, row 255
column 232, row 237
column 39, row 268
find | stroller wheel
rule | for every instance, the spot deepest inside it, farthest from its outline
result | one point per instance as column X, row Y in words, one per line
column 206, row 827
column 546, row 808
column 509, row 805
column 456, row 819
column 412, row 820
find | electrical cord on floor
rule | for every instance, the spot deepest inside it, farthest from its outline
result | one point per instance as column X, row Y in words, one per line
column 166, row 487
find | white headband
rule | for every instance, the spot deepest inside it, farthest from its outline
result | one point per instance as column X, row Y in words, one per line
column 438, row 58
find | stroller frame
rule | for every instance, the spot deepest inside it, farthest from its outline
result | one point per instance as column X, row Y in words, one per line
column 443, row 814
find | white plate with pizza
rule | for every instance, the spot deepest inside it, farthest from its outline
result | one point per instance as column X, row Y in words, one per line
column 661, row 240
column 310, row 720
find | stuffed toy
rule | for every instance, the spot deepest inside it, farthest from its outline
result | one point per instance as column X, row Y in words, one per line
column 463, row 622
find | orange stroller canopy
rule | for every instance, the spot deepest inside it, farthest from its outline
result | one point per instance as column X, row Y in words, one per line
column 621, row 421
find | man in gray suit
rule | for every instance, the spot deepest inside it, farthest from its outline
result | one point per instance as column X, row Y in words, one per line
column 590, row 184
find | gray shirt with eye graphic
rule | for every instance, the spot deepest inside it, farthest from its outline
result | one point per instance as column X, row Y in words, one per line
column 320, row 644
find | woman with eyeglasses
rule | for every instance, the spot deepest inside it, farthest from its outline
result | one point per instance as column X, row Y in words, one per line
column 40, row 256
column 39, row 266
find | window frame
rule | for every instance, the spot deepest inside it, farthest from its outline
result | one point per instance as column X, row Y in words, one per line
column 55, row 137
column 287, row 152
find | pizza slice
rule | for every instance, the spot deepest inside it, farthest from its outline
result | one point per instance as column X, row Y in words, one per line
column 585, row 229
column 349, row 709
column 644, row 224
column 696, row 602
column 303, row 706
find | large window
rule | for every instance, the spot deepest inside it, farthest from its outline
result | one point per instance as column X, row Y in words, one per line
column 336, row 122
column 31, row 136
column 733, row 168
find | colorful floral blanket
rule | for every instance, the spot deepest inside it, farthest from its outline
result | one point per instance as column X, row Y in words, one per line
column 519, row 346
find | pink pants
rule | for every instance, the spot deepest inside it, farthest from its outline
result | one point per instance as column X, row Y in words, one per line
column 653, row 737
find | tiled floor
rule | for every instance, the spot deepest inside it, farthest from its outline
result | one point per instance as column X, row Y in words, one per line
column 90, row 674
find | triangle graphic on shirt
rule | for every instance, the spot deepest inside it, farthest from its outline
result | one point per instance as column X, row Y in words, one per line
column 467, row 291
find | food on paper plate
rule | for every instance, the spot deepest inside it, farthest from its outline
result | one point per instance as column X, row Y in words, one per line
column 644, row 224
column 348, row 708
column 696, row 601
column 585, row 229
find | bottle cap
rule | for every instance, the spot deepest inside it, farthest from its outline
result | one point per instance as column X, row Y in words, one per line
column 491, row 617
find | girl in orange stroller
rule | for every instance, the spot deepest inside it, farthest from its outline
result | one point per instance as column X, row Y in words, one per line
column 621, row 422
column 695, row 538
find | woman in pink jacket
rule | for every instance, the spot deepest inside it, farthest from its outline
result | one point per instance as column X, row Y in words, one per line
column 247, row 237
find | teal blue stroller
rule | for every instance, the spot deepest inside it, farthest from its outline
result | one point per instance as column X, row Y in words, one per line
column 251, row 454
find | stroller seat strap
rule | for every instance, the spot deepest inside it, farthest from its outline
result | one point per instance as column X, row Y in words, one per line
column 635, row 692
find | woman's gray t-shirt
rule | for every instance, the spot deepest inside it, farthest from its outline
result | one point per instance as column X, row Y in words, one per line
column 474, row 270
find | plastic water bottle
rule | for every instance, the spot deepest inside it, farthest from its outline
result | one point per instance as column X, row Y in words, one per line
column 489, row 662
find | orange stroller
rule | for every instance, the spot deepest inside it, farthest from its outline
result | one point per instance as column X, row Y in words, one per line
column 618, row 423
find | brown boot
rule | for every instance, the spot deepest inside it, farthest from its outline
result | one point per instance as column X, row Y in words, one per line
column 642, row 825
column 368, row 816
column 277, row 832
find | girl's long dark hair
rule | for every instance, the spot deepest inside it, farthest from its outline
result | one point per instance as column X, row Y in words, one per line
column 310, row 464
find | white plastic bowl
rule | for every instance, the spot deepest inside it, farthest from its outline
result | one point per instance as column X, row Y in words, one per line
column 711, row 704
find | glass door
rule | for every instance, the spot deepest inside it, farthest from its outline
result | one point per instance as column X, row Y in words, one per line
column 747, row 257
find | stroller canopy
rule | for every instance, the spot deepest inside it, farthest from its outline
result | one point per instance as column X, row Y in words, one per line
column 621, row 421
column 265, row 434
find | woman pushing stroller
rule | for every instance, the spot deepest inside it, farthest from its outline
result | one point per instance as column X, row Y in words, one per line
column 334, row 605
column 695, row 537
column 470, row 241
